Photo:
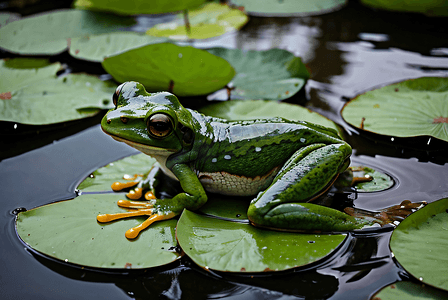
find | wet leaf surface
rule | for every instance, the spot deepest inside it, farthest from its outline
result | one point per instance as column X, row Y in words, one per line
column 380, row 181
column 410, row 291
column 138, row 6
column 275, row 8
column 274, row 74
column 68, row 231
column 427, row 7
column 210, row 20
column 36, row 96
column 97, row 47
column 419, row 244
column 192, row 71
column 235, row 247
column 50, row 33
column 415, row 107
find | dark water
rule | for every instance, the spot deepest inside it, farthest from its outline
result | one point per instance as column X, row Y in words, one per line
column 349, row 51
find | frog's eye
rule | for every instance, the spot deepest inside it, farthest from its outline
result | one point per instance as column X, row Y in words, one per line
column 159, row 125
column 117, row 94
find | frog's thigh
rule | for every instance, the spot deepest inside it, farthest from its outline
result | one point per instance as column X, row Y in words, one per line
column 307, row 172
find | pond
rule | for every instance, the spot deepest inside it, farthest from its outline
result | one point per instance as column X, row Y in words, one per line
column 348, row 52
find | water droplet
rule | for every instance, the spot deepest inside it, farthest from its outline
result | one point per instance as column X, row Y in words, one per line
column 257, row 149
column 214, row 160
column 227, row 157
column 303, row 140
column 311, row 242
column 180, row 55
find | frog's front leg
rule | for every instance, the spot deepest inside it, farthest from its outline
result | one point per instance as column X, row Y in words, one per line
column 306, row 174
column 193, row 197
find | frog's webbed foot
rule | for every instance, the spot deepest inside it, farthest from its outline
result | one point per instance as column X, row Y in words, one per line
column 393, row 214
column 137, row 209
column 138, row 183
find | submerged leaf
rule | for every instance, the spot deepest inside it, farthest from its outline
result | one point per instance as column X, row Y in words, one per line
column 419, row 244
column 68, row 231
column 136, row 7
column 189, row 71
column 210, row 20
column 274, row 74
column 380, row 181
column 289, row 8
column 415, row 107
column 410, row 291
column 236, row 247
column 97, row 47
column 263, row 109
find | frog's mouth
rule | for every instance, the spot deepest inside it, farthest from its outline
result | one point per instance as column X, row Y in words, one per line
column 147, row 149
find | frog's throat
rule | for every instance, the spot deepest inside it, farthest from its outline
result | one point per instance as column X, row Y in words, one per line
column 147, row 149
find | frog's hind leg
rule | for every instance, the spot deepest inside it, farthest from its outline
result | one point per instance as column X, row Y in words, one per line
column 309, row 171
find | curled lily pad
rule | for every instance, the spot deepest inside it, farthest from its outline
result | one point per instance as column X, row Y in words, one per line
column 68, row 231
column 136, row 7
column 45, row 99
column 274, row 74
column 97, row 47
column 289, row 8
column 210, row 20
column 101, row 179
column 410, row 291
column 415, row 107
column 49, row 33
column 231, row 246
column 419, row 244
column 262, row 109
column 427, row 7
column 186, row 71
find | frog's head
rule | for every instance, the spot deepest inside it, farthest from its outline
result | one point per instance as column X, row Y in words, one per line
column 156, row 124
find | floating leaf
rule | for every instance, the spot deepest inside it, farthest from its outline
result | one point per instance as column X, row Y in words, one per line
column 380, row 181
column 68, row 231
column 226, row 207
column 289, row 8
column 20, row 72
column 427, row 7
column 419, row 244
column 210, row 20
column 262, row 109
column 192, row 71
column 273, row 74
column 49, row 33
column 97, row 47
column 6, row 17
column 415, row 107
column 102, row 178
column 235, row 247
column 136, row 7
column 410, row 291
column 54, row 100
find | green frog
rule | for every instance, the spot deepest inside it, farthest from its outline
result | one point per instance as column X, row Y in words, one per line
column 282, row 164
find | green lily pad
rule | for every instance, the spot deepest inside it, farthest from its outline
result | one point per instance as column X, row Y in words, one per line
column 226, row 207
column 210, row 20
column 192, row 71
column 97, row 47
column 53, row 100
column 101, row 179
column 136, row 7
column 7, row 17
column 419, row 244
column 427, row 7
column 380, row 181
column 68, row 231
column 414, row 107
column 20, row 72
column 410, row 291
column 289, row 8
column 235, row 247
column 50, row 33
column 263, row 109
column 274, row 74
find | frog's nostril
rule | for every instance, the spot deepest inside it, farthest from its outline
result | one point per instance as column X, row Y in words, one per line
column 108, row 121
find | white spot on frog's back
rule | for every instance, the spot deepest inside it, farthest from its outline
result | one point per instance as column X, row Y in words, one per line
column 257, row 149
column 303, row 140
column 227, row 157
column 214, row 160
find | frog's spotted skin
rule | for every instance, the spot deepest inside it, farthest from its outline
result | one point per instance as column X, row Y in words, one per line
column 283, row 164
